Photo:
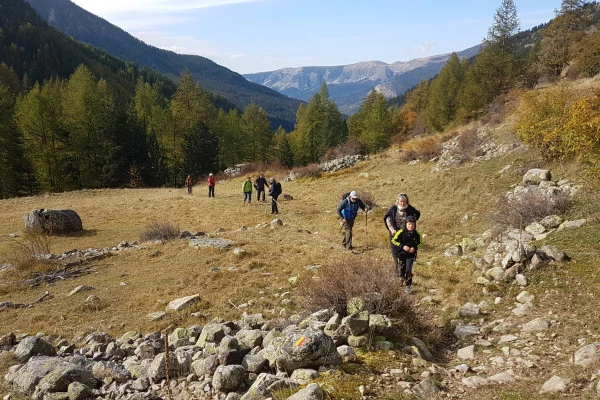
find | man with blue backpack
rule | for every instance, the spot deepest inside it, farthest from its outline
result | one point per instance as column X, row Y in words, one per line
column 347, row 211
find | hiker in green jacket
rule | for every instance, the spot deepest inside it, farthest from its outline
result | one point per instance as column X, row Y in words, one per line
column 247, row 189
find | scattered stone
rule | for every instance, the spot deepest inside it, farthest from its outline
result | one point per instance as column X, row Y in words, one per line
column 586, row 355
column 469, row 310
column 475, row 381
column 525, row 297
column 554, row 385
column 182, row 303
column 537, row 325
column 466, row 353
column 463, row 331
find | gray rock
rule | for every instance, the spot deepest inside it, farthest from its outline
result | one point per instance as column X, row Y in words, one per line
column 211, row 332
column 525, row 297
column 33, row 346
column 572, row 224
column 536, row 325
column 156, row 316
column 79, row 391
column 53, row 221
column 424, row 352
column 554, row 253
column 521, row 279
column 586, row 355
column 311, row 392
column 260, row 387
column 502, row 377
column 466, row 353
column 307, row 348
column 304, row 375
column 551, row 221
column 555, row 384
column 228, row 378
column 536, row 175
column 108, row 369
column 427, row 389
column 156, row 371
column 44, row 374
column 535, row 228
column 182, row 303
column 358, row 323
column 347, row 352
column 455, row 250
column 475, row 381
column 469, row 310
column 463, row 331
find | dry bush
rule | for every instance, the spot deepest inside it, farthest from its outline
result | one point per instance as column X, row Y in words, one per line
column 27, row 253
column 424, row 148
column 350, row 147
column 522, row 209
column 159, row 231
column 308, row 171
column 336, row 284
column 469, row 142
column 367, row 198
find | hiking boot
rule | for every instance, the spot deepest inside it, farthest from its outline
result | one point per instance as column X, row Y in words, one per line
column 407, row 290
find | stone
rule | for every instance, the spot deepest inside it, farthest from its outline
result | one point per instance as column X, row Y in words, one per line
column 536, row 175
column 455, row 250
column 502, row 377
column 311, row 392
column 307, row 348
column 554, row 253
column 555, row 384
column 304, row 375
column 156, row 316
column 536, row 325
column 347, row 352
column 572, row 224
column 463, row 331
column 466, row 353
column 535, row 228
column 53, row 221
column 79, row 391
column 525, row 297
column 182, row 303
column 475, row 381
column 228, row 378
column 469, row 310
column 586, row 355
column 424, row 351
column 551, row 221
column 521, row 280
column 33, row 346
column 427, row 389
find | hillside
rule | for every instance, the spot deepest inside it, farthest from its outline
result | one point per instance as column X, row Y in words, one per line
column 349, row 84
column 88, row 28
column 276, row 261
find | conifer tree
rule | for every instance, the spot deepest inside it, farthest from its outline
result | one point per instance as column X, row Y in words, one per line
column 258, row 133
column 443, row 95
column 372, row 124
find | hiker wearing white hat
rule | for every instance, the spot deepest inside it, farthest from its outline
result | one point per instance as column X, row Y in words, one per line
column 347, row 211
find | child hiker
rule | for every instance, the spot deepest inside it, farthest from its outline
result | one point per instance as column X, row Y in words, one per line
column 407, row 241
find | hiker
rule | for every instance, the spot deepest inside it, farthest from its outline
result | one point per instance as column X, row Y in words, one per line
column 407, row 241
column 211, row 185
column 395, row 219
column 274, row 192
column 259, row 185
column 247, row 189
column 188, row 183
column 347, row 211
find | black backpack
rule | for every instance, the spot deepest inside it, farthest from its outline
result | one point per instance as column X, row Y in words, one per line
column 345, row 195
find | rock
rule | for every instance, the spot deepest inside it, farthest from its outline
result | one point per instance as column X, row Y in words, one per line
column 7, row 341
column 79, row 391
column 502, row 377
column 537, row 325
column 156, row 371
column 80, row 289
column 311, row 392
column 228, row 378
column 551, row 221
column 525, row 297
column 554, row 385
column 463, row 331
column 53, row 221
column 455, row 250
column 427, row 389
column 469, row 310
column 554, row 253
column 33, row 346
column 260, row 387
column 424, row 351
column 536, row 175
column 307, row 348
column 466, row 353
column 572, row 224
column 521, row 279
column 347, row 352
column 156, row 316
column 108, row 369
column 586, row 355
column 182, row 303
column 535, row 228
column 358, row 323
column 44, row 374
column 475, row 381
column 304, row 375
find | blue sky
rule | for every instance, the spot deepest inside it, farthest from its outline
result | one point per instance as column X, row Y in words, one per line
column 249, row 36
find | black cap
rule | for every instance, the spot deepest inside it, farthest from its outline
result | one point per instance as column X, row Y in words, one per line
column 411, row 218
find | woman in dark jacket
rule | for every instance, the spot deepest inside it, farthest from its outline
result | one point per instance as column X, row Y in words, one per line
column 395, row 219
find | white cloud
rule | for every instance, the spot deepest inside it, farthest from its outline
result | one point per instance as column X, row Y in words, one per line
column 115, row 7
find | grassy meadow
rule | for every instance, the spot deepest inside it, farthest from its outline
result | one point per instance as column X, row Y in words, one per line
column 136, row 282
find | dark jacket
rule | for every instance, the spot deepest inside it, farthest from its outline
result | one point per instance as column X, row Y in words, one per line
column 392, row 213
column 260, row 183
column 404, row 237
column 275, row 189
column 347, row 209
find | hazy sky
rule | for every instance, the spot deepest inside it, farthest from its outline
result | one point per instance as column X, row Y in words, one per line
column 264, row 35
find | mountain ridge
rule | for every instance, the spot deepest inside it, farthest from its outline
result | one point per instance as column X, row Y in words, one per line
column 349, row 84
column 89, row 28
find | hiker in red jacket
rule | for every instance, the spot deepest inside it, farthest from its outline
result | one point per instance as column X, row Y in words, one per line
column 211, row 185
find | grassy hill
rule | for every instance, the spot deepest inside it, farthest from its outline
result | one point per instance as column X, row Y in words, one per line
column 135, row 282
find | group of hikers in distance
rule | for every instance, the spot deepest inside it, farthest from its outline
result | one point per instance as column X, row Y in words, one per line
column 400, row 220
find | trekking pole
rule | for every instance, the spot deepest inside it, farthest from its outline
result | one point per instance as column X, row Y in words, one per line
column 366, row 222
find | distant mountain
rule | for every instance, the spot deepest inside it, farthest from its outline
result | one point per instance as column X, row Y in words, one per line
column 86, row 27
column 349, row 84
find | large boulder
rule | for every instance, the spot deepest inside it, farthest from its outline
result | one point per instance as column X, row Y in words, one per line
column 307, row 348
column 43, row 375
column 53, row 221
column 33, row 346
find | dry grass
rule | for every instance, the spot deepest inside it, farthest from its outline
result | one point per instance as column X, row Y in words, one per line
column 159, row 231
column 425, row 148
column 134, row 283
column 518, row 211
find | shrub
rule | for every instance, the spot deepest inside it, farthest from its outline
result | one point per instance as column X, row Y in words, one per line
column 308, row 171
column 350, row 147
column 469, row 142
column 367, row 198
column 27, row 252
column 336, row 284
column 521, row 209
column 159, row 231
column 422, row 149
